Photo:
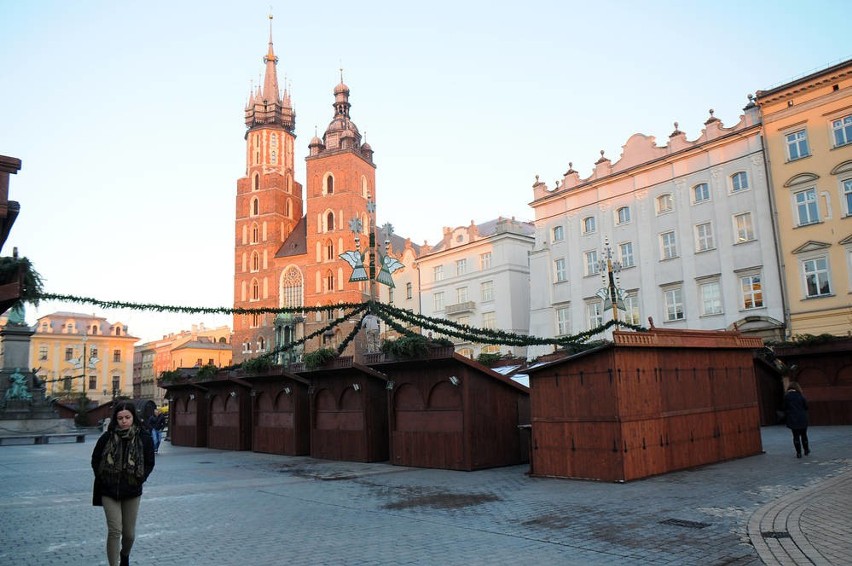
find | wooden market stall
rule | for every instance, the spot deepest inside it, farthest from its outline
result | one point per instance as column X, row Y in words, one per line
column 449, row 412
column 280, row 413
column 228, row 414
column 187, row 415
column 647, row 404
column 349, row 412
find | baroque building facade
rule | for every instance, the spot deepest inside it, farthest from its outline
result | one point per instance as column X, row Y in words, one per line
column 807, row 128
column 687, row 223
column 288, row 240
column 63, row 339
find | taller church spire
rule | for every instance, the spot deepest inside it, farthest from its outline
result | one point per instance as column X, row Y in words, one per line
column 266, row 106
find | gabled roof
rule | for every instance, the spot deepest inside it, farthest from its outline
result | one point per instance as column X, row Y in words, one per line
column 297, row 242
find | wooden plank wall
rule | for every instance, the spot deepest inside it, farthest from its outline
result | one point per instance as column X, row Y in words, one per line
column 188, row 421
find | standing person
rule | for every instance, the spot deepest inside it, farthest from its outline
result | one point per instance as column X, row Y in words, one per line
column 122, row 460
column 796, row 411
column 156, row 423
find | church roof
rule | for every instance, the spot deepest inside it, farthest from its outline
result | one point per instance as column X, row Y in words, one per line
column 297, row 242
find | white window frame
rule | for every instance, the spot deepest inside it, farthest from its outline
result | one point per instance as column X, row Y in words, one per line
column 590, row 225
column 489, row 319
column 557, row 234
column 797, row 145
column 461, row 295
column 563, row 321
column 438, row 272
column 486, row 291
column 438, row 301
column 743, row 227
column 704, row 240
column 673, row 301
column 710, row 294
column 806, row 201
column 590, row 263
column 461, row 266
column 751, row 291
column 594, row 314
column 846, row 195
column 668, row 245
column 625, row 254
column 664, row 204
column 622, row 215
column 822, row 272
column 485, row 260
column 560, row 270
column 841, row 128
column 739, row 186
column 631, row 314
column 705, row 193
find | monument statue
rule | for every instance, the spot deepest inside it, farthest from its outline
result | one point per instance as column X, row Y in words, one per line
column 17, row 315
column 18, row 389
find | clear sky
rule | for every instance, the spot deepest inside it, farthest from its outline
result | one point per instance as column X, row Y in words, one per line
column 128, row 116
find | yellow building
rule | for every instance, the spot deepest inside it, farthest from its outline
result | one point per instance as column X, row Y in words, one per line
column 807, row 129
column 63, row 339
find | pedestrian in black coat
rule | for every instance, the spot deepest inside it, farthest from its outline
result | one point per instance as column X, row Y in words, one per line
column 122, row 460
column 796, row 415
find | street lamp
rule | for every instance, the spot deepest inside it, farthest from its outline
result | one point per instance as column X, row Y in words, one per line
column 81, row 364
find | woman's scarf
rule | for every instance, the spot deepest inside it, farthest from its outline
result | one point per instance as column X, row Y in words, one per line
column 123, row 456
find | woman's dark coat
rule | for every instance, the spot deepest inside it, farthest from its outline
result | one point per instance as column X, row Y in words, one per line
column 795, row 410
column 123, row 490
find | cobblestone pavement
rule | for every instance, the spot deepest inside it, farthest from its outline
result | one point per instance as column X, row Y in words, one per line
column 215, row 507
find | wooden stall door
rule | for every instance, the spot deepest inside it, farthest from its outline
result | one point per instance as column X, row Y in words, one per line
column 428, row 436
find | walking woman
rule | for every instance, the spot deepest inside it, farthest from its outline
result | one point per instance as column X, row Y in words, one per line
column 122, row 460
column 796, row 412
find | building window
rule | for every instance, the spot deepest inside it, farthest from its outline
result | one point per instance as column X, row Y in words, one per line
column 69, row 354
column 559, row 269
column 842, row 129
column 255, row 206
column 674, row 304
column 806, row 207
column 591, row 260
column 329, row 250
column 255, row 290
column 255, row 234
column 42, row 352
column 489, row 320
column 486, row 289
column 558, row 233
column 752, row 292
column 739, row 181
column 743, row 227
column 589, row 225
column 116, row 355
column 700, row 193
column 485, row 260
column 816, row 277
column 847, row 196
column 622, row 215
column 329, row 281
column 797, row 145
column 438, row 299
column 255, row 182
column 461, row 266
column 594, row 314
column 704, row 237
column 438, row 272
column 93, row 352
column 711, row 298
column 631, row 309
column 66, row 383
column 329, row 222
column 563, row 321
column 329, row 185
column 93, row 383
column 625, row 254
column 255, row 262
column 291, row 284
column 408, row 290
column 664, row 203
column 461, row 295
column 668, row 245
column 254, row 321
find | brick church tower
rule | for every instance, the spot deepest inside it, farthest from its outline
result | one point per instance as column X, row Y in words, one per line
column 285, row 259
column 268, row 206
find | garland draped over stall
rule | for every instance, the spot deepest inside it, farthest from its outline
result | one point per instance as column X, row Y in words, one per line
column 400, row 320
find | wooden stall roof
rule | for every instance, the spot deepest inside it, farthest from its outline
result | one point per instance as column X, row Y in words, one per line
column 338, row 369
column 273, row 374
column 404, row 363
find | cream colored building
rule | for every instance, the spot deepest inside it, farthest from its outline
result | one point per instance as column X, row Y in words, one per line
column 63, row 339
column 807, row 130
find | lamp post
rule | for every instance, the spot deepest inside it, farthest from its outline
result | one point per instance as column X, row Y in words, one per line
column 610, row 293
column 83, row 363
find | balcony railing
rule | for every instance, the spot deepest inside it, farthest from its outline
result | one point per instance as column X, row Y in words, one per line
column 460, row 307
